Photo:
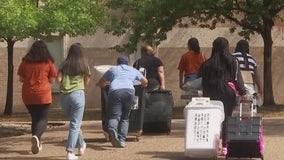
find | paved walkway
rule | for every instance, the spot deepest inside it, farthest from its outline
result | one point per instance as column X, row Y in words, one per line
column 149, row 147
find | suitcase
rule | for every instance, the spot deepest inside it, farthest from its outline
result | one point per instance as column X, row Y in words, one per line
column 245, row 135
column 158, row 111
column 136, row 115
column 203, row 120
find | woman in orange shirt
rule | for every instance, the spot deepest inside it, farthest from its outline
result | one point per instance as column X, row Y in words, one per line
column 37, row 71
column 190, row 62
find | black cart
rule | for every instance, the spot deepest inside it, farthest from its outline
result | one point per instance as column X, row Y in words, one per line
column 158, row 111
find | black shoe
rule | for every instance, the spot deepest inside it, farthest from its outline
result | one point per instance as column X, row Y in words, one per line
column 114, row 138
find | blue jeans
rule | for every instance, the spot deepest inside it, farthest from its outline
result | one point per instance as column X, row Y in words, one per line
column 190, row 77
column 73, row 105
column 119, row 107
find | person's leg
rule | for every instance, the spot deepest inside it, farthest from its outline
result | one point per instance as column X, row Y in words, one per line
column 39, row 114
column 127, row 103
column 229, row 101
column 114, row 111
column 76, row 103
column 73, row 106
column 41, row 119
column 81, row 143
column 35, row 143
column 32, row 112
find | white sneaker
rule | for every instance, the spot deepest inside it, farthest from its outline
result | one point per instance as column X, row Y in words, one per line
column 40, row 147
column 35, row 145
column 71, row 156
column 82, row 149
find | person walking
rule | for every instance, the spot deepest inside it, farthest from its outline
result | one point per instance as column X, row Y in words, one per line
column 121, row 97
column 73, row 75
column 248, row 63
column 37, row 71
column 154, row 67
column 220, row 79
column 190, row 62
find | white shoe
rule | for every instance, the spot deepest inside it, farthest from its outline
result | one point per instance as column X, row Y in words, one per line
column 82, row 149
column 71, row 156
column 40, row 147
column 35, row 145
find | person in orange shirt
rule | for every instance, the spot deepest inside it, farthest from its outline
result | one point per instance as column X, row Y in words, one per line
column 190, row 62
column 37, row 71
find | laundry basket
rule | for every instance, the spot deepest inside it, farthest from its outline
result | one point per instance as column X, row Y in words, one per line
column 203, row 120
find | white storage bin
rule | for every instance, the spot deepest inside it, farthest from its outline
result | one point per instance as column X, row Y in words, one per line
column 203, row 120
column 101, row 69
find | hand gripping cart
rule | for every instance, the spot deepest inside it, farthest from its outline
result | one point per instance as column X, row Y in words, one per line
column 245, row 135
column 203, row 120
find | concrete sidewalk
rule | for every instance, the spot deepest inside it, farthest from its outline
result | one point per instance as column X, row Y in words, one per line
column 152, row 147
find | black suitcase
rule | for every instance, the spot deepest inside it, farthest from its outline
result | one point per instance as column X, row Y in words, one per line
column 158, row 111
column 136, row 115
column 244, row 136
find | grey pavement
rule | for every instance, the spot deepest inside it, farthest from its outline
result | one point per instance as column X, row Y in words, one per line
column 152, row 147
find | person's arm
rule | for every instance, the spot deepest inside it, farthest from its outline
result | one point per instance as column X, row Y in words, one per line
column 181, row 72
column 87, row 79
column 181, row 79
column 161, row 74
column 144, row 82
column 102, row 82
column 241, row 87
column 21, row 79
column 52, row 80
column 59, row 77
column 52, row 73
column 257, row 81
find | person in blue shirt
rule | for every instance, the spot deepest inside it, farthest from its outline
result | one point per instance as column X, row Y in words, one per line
column 121, row 96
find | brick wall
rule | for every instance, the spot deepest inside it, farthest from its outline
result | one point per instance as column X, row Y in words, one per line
column 169, row 51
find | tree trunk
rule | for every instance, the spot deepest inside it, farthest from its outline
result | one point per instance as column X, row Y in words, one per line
column 268, row 98
column 9, row 97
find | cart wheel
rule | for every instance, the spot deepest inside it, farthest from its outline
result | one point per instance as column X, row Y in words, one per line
column 169, row 132
column 137, row 139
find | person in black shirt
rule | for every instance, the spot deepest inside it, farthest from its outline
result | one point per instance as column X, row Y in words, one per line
column 153, row 66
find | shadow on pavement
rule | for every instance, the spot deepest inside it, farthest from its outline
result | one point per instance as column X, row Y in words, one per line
column 273, row 127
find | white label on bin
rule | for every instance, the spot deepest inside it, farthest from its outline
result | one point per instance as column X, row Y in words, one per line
column 135, row 106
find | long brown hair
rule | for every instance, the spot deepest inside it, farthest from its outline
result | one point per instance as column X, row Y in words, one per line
column 38, row 53
column 75, row 63
column 193, row 44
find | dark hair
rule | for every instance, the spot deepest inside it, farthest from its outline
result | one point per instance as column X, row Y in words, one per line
column 193, row 44
column 75, row 63
column 38, row 53
column 220, row 65
column 243, row 47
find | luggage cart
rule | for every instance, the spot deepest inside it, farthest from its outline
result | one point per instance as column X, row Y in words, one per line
column 245, row 135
